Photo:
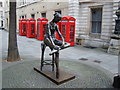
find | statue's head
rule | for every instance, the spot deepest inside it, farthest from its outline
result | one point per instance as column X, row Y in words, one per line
column 57, row 17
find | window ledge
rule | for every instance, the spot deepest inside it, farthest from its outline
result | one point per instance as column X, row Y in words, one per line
column 95, row 35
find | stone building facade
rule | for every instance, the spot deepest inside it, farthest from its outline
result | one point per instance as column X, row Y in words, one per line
column 95, row 19
column 41, row 8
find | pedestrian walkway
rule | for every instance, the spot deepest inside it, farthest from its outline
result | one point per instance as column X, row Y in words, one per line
column 92, row 67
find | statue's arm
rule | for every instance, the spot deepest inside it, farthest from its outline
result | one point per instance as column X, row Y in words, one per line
column 58, row 31
column 49, row 33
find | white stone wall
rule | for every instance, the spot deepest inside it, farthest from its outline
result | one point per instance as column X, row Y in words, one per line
column 74, row 12
column 107, row 20
column 85, row 24
column 81, row 10
column 40, row 7
column 6, row 4
column 2, row 14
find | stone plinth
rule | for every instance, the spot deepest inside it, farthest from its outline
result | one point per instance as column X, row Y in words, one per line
column 64, row 76
column 114, row 47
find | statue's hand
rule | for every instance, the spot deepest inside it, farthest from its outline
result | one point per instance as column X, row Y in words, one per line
column 56, row 47
column 63, row 43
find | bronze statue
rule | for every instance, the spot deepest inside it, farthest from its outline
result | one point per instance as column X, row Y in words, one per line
column 50, row 39
column 54, row 44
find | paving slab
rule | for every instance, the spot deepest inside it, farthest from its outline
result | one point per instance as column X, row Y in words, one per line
column 30, row 53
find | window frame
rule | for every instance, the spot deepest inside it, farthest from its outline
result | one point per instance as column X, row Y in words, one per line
column 1, row 4
column 59, row 11
column 33, row 14
column 95, row 35
column 42, row 14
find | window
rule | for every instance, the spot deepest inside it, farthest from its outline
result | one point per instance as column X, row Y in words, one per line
column 7, row 21
column 43, row 15
column 96, row 20
column 22, row 2
column 22, row 17
column 59, row 11
column 1, row 14
column 6, row 3
column 33, row 16
column 0, row 4
column 1, row 23
column 58, row 3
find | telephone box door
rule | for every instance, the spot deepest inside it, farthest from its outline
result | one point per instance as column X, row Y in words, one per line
column 31, row 28
column 22, row 27
column 41, row 28
column 68, row 29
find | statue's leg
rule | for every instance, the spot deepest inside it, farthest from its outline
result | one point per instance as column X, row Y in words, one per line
column 53, row 60
column 43, row 46
column 48, row 43
column 57, row 64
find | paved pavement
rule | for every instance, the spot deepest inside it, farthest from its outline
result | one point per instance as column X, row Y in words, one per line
column 89, row 65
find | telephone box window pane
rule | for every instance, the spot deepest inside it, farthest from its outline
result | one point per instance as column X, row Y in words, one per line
column 32, row 29
column 64, row 31
column 38, row 30
column 44, row 29
column 71, row 33
column 24, row 28
column 96, row 20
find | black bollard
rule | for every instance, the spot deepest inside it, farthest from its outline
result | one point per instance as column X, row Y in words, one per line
column 116, row 82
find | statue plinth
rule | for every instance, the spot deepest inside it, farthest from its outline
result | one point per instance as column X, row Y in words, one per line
column 114, row 36
column 114, row 46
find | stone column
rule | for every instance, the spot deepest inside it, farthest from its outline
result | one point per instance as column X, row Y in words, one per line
column 73, row 10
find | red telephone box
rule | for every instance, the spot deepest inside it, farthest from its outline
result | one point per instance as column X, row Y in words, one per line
column 59, row 26
column 41, row 28
column 31, row 27
column 22, row 26
column 68, row 29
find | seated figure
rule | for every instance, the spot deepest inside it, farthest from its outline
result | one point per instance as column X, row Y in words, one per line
column 50, row 39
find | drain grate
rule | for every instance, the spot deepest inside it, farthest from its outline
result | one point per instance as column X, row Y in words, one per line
column 91, row 47
column 83, row 59
column 30, row 41
column 97, row 61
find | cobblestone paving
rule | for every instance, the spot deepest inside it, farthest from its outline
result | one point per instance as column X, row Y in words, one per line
column 22, row 75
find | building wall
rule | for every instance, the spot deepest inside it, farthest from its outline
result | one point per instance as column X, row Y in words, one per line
column 42, row 7
column 6, row 6
column 74, row 12
column 28, row 7
column 97, row 40
column 2, row 14
column 79, row 9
